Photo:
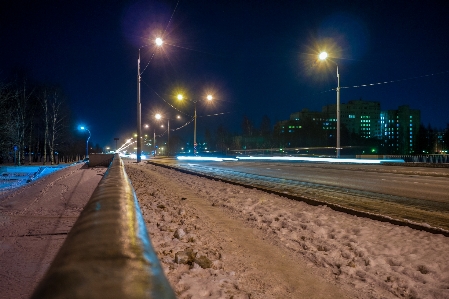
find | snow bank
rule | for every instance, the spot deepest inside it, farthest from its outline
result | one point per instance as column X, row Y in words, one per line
column 17, row 176
column 375, row 259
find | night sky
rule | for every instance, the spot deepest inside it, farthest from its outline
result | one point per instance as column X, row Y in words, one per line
column 256, row 57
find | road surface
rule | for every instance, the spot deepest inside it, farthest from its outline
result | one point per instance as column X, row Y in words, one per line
column 410, row 194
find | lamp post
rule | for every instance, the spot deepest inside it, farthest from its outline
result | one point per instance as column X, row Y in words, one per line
column 209, row 98
column 116, row 139
column 87, row 141
column 154, row 142
column 158, row 43
column 323, row 56
column 154, row 138
column 158, row 116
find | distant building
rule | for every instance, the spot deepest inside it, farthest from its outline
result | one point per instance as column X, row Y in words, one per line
column 396, row 129
column 399, row 129
column 439, row 145
column 359, row 117
column 298, row 119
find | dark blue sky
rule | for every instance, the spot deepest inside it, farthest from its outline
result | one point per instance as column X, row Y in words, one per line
column 258, row 57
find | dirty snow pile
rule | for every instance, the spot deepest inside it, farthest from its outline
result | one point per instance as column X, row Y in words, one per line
column 370, row 258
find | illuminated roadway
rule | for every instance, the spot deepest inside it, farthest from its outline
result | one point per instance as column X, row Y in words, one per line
column 417, row 194
column 394, row 180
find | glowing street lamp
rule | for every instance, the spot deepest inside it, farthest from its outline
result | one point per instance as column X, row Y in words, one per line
column 159, row 42
column 323, row 56
column 87, row 141
column 158, row 116
column 209, row 97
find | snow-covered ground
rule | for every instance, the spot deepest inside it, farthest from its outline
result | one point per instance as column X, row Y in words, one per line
column 16, row 176
column 218, row 240
column 34, row 222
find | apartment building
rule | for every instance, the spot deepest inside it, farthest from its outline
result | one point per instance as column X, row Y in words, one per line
column 399, row 129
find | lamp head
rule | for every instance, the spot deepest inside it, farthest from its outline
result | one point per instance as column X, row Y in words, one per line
column 159, row 41
column 180, row 97
column 323, row 56
column 209, row 97
column 158, row 116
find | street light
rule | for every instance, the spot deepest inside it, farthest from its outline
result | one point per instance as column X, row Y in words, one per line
column 116, row 139
column 87, row 141
column 158, row 116
column 209, row 97
column 323, row 56
column 159, row 42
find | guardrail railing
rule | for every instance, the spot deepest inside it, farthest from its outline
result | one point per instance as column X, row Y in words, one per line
column 107, row 253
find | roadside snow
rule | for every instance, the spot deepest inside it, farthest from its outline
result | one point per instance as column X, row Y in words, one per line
column 17, row 176
column 188, row 216
column 34, row 222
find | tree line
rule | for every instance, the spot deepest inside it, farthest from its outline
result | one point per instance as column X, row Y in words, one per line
column 35, row 124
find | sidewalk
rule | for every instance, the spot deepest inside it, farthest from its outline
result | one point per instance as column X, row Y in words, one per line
column 34, row 222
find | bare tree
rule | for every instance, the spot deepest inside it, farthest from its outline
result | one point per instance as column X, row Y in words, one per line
column 23, row 97
column 247, row 126
column 31, row 126
column 37, row 116
column 56, row 121
column 43, row 99
column 6, row 119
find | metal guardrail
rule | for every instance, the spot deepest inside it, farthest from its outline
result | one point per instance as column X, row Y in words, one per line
column 107, row 253
column 431, row 158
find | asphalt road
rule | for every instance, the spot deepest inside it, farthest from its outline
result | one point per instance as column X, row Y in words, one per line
column 417, row 183
column 415, row 194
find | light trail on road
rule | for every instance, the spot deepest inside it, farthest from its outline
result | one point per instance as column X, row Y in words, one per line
column 413, row 196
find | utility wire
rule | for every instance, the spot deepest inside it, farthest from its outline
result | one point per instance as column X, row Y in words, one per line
column 387, row 82
column 166, row 27
column 215, row 114
column 169, row 21
column 168, row 103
